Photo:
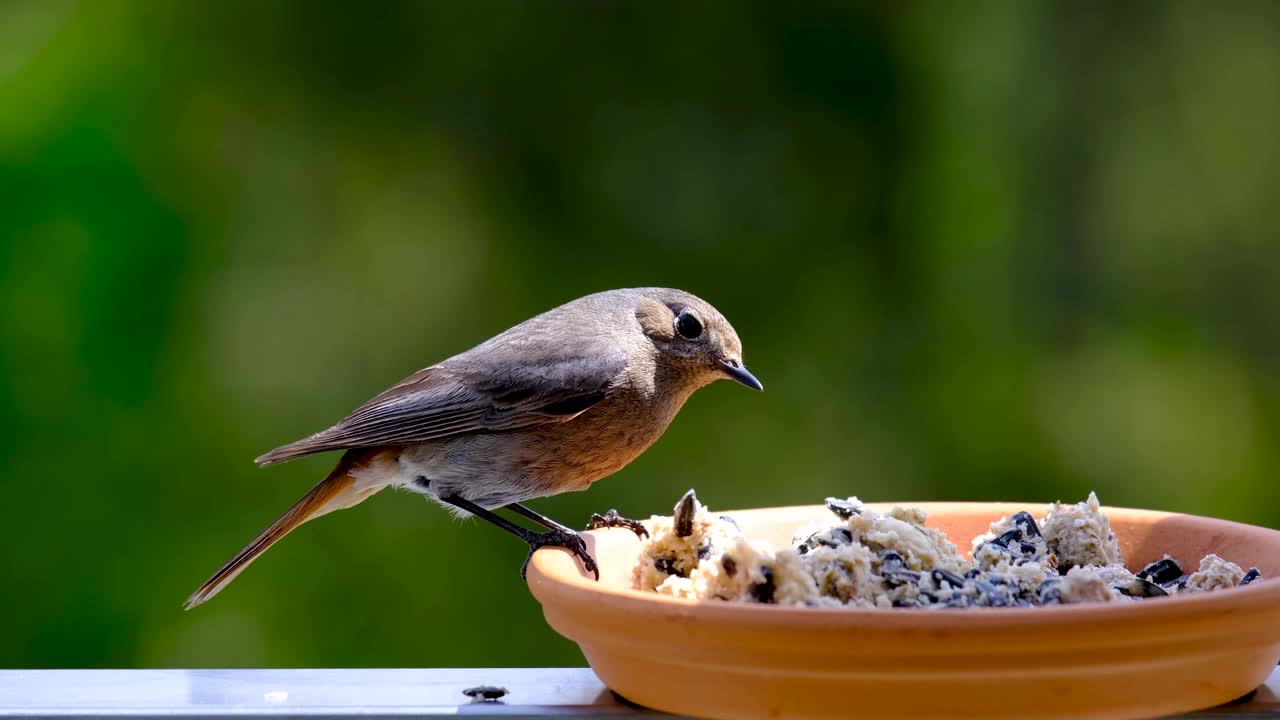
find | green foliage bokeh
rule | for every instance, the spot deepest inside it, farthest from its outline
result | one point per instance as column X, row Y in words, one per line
column 993, row 250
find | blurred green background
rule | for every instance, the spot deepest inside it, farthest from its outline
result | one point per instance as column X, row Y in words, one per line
column 994, row 250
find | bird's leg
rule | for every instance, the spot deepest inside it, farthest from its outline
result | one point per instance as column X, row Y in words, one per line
column 609, row 519
column 566, row 538
column 613, row 519
column 536, row 516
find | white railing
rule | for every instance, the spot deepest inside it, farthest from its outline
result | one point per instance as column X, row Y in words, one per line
column 363, row 694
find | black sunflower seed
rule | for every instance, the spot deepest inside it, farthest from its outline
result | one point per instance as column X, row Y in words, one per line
column 1161, row 572
column 684, row 512
column 1007, row 537
column 667, row 565
column 843, row 509
column 897, row 577
column 939, row 576
column 832, row 538
column 1141, row 588
column 1027, row 523
column 763, row 591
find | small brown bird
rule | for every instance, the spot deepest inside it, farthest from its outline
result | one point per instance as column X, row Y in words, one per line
column 550, row 406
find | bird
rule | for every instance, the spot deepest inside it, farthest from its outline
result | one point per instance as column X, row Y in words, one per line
column 548, row 406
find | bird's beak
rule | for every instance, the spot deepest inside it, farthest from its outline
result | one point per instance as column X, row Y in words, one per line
column 739, row 372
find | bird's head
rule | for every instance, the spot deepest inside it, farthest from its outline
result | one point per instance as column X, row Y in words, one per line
column 692, row 337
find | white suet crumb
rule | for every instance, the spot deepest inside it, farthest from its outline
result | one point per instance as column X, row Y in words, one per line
column 1085, row 584
column 1214, row 574
column 903, row 531
column 1113, row 575
column 1080, row 534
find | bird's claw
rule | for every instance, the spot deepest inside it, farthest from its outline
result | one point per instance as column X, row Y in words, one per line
column 566, row 539
column 613, row 519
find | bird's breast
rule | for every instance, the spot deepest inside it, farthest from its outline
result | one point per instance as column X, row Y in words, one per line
column 600, row 441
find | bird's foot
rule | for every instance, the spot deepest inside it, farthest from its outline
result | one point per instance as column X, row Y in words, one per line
column 613, row 519
column 566, row 539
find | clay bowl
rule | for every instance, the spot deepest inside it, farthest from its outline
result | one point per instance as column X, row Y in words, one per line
column 1115, row 660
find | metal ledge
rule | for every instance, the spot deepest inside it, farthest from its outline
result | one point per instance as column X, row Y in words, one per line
column 364, row 694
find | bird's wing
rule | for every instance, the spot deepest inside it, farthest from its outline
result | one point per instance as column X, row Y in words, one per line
column 459, row 398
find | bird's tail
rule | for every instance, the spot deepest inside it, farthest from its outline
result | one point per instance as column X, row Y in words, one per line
column 341, row 489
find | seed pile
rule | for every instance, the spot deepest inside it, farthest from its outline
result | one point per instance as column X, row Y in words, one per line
column 867, row 559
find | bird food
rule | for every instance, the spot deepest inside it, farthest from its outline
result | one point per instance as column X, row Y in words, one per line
column 893, row 560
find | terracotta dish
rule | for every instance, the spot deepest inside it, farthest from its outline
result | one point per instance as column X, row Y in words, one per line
column 1108, row 660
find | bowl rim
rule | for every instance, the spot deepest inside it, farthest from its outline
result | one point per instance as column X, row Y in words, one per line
column 552, row 572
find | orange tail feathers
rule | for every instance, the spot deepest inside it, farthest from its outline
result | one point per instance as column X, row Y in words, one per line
column 341, row 489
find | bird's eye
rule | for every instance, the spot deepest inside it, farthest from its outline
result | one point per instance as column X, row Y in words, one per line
column 689, row 327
